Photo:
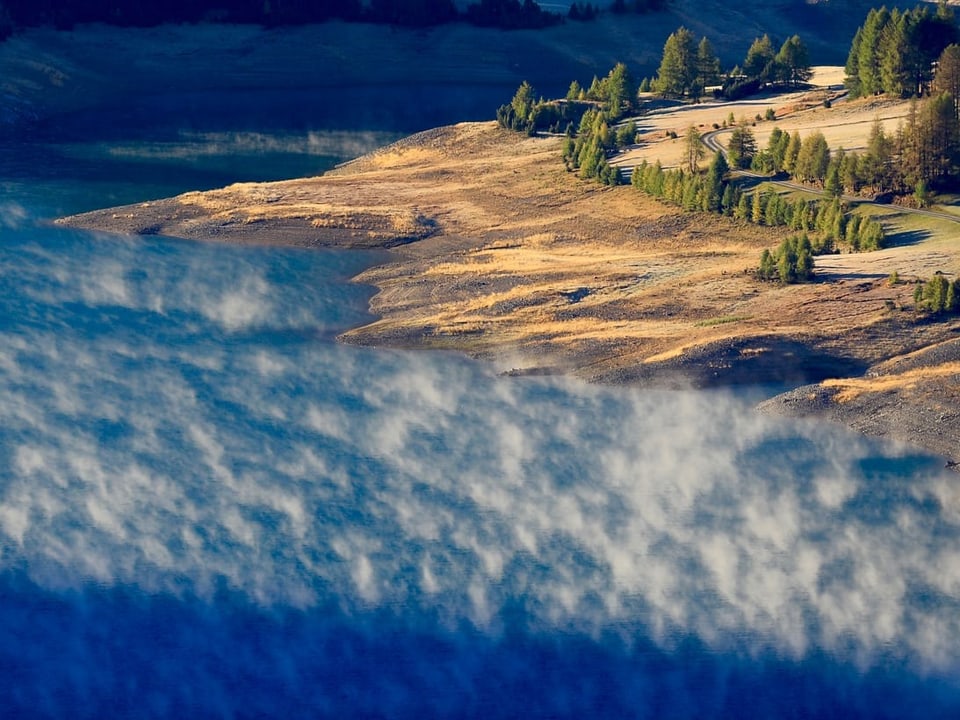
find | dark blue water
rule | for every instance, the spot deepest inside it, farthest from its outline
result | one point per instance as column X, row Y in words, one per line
column 208, row 508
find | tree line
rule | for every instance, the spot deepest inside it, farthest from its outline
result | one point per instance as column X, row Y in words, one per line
column 915, row 54
column 716, row 191
column 612, row 97
column 938, row 295
column 688, row 67
column 894, row 52
column 505, row 14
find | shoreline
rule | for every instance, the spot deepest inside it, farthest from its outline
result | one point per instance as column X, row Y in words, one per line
column 498, row 253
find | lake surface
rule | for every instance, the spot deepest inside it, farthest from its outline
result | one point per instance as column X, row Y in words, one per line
column 209, row 508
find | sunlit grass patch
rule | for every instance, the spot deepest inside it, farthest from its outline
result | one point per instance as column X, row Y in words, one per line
column 722, row 320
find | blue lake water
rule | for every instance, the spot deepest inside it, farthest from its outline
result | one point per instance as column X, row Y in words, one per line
column 208, row 508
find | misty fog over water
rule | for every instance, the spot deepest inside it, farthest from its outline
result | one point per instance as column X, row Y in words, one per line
column 210, row 508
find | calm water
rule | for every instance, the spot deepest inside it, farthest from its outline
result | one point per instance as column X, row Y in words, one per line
column 208, row 508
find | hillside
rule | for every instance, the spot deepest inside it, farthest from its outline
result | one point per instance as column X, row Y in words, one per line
column 502, row 254
column 364, row 76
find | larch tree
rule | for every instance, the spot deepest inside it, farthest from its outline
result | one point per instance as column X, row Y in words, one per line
column 947, row 78
column 851, row 78
column 678, row 66
column 868, row 60
column 759, row 58
column 793, row 61
column 894, row 50
column 938, row 138
column 877, row 158
column 708, row 64
column 791, row 152
column 620, row 90
column 693, row 149
column 813, row 160
column 742, row 147
column 716, row 184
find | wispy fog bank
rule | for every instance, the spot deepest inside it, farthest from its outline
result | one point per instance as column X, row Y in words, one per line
column 183, row 443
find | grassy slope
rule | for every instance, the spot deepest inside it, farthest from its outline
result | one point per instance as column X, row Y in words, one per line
column 583, row 278
column 519, row 261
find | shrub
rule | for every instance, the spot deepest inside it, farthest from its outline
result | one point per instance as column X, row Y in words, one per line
column 791, row 263
column 938, row 295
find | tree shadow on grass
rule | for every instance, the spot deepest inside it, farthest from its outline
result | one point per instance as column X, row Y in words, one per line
column 907, row 237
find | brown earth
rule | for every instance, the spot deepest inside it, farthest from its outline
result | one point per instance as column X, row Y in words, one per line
column 499, row 252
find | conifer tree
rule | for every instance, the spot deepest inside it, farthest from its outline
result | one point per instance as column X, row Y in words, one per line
column 833, row 184
column 849, row 173
column 791, row 152
column 868, row 61
column 708, row 65
column 759, row 58
column 876, row 159
column 714, row 186
column 678, row 66
column 813, row 159
column 619, row 90
column 947, row 78
column 729, row 200
column 759, row 208
column 852, row 68
column 793, row 61
column 742, row 147
column 523, row 100
column 693, row 149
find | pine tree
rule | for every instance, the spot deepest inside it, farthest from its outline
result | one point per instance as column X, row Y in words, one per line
column 852, row 233
column 787, row 262
column 893, row 50
column 791, row 152
column 947, row 78
column 523, row 101
column 776, row 148
column 678, row 66
column 768, row 266
column 693, row 149
column 852, row 69
column 729, row 200
column 833, row 184
column 813, row 160
column 849, row 173
column 793, row 61
column 876, row 159
column 868, row 61
column 708, row 64
column 619, row 90
column 772, row 210
column 715, row 190
column 759, row 58
column 742, row 147
column 759, row 208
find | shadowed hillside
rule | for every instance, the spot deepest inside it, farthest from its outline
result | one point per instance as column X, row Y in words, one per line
column 359, row 75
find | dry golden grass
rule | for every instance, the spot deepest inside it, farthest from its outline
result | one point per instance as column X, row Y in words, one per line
column 516, row 257
column 849, row 389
